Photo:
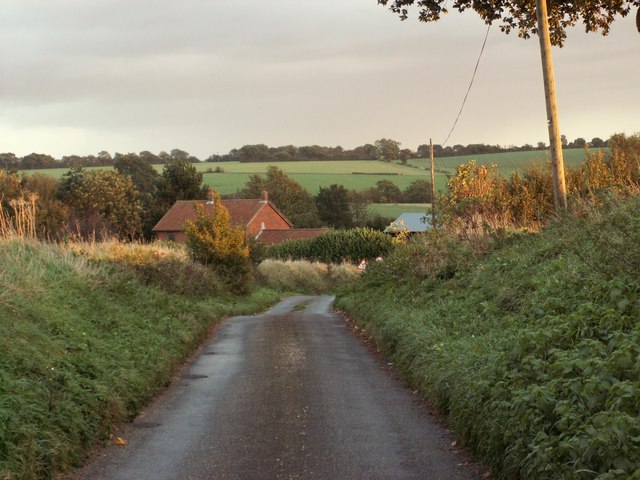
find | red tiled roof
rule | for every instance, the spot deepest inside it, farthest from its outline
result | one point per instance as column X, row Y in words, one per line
column 241, row 212
column 270, row 237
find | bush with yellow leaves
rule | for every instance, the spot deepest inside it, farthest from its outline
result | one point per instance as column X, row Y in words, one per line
column 213, row 241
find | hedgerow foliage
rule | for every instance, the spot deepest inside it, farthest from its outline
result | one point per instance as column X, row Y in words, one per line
column 532, row 350
column 335, row 246
column 213, row 241
column 478, row 198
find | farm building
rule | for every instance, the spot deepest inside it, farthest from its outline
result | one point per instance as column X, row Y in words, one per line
column 410, row 222
column 259, row 217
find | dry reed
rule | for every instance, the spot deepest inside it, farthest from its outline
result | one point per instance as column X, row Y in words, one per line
column 20, row 220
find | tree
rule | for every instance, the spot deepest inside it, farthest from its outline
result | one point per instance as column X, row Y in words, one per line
column 212, row 240
column 579, row 142
column 37, row 160
column 140, row 171
column 9, row 161
column 104, row 158
column 69, row 182
column 180, row 181
column 333, row 206
column 388, row 192
column 418, row 191
column 365, row 152
column 254, row 187
column 10, row 187
column 253, row 153
column 178, row 155
column 149, row 157
column 387, row 149
column 104, row 202
column 596, row 15
column 287, row 194
column 145, row 178
column 405, row 155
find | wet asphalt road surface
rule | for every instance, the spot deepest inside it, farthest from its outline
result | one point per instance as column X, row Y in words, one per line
column 288, row 394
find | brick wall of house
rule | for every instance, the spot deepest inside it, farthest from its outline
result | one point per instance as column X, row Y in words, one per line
column 178, row 237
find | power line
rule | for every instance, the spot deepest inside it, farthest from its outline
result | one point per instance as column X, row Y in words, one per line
column 475, row 70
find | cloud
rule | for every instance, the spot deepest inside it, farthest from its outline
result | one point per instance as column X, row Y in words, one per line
column 208, row 76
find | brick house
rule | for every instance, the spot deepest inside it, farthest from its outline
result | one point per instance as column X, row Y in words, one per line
column 259, row 217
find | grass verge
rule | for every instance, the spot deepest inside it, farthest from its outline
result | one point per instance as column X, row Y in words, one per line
column 89, row 335
column 532, row 351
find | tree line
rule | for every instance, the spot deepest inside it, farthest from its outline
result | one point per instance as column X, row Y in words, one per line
column 384, row 149
column 128, row 200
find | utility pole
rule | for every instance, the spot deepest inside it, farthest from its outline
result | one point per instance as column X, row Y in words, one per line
column 433, row 185
column 557, row 162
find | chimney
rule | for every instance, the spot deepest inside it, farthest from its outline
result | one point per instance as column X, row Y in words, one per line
column 265, row 196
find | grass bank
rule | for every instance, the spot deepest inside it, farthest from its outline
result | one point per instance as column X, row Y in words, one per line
column 532, row 351
column 89, row 335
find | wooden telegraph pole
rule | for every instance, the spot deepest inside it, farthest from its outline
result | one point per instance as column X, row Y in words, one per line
column 433, row 185
column 557, row 162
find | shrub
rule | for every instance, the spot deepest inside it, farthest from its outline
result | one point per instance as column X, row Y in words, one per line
column 478, row 199
column 336, row 246
column 476, row 195
column 213, row 241
column 432, row 254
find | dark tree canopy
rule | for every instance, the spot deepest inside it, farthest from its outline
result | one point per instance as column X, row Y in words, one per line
column 520, row 15
column 286, row 194
column 180, row 181
column 333, row 206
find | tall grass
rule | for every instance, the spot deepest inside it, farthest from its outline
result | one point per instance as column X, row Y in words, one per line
column 20, row 222
column 306, row 277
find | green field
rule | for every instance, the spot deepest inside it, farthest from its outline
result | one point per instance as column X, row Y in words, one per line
column 507, row 163
column 358, row 174
column 394, row 210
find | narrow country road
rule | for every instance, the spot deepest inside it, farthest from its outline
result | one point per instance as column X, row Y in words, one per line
column 287, row 394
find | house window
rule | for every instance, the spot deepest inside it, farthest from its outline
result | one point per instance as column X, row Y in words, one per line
column 171, row 237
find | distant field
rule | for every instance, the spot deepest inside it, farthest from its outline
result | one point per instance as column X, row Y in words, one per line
column 358, row 174
column 343, row 167
column 507, row 163
column 353, row 175
column 394, row 210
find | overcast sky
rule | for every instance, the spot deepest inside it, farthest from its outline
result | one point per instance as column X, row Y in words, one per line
column 206, row 76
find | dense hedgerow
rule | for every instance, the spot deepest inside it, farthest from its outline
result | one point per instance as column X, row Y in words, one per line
column 87, row 339
column 479, row 199
column 532, row 350
column 335, row 246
